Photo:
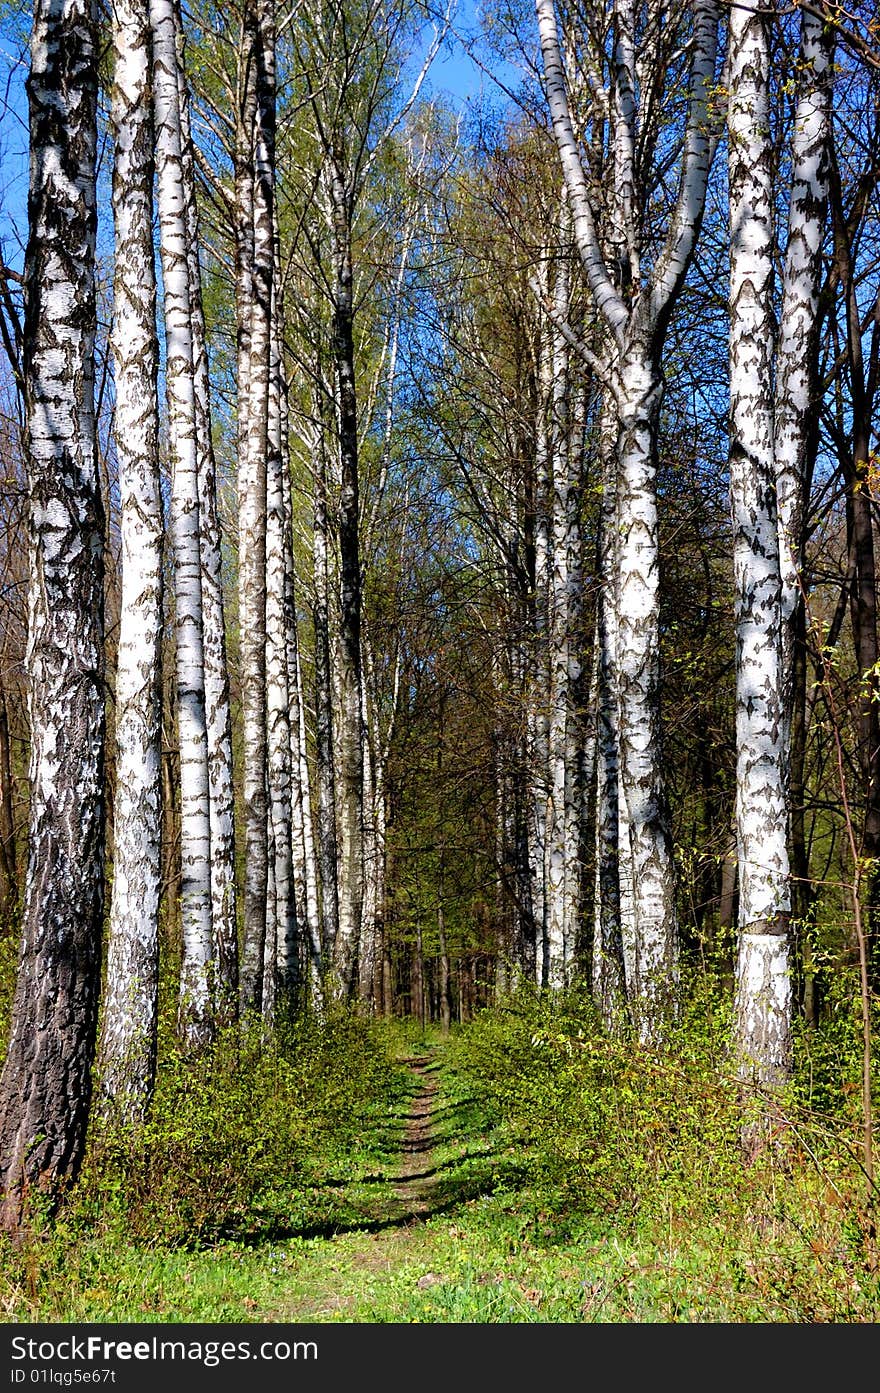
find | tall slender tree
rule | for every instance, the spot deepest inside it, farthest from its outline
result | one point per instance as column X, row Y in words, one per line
column 45, row 1086
column 196, row 1006
column 130, row 1012
column 635, row 304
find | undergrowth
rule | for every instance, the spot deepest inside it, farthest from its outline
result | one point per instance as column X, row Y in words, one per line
column 568, row 1177
column 643, row 1145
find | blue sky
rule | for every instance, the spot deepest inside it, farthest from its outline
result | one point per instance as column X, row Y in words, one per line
column 454, row 74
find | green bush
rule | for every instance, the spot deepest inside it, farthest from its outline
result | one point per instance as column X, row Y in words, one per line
column 239, row 1136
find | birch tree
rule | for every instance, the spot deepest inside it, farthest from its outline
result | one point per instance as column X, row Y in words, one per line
column 768, row 442
column 218, row 725
column 254, row 179
column 45, row 1086
column 129, row 1028
column 635, row 302
column 196, row 1016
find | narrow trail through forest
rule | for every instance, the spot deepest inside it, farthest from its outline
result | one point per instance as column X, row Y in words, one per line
column 393, row 1235
column 417, row 1180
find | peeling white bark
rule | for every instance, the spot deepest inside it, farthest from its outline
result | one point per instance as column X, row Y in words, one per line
column 761, row 813
column 196, row 1023
column 127, row 1055
column 218, row 724
column 636, row 325
column 808, row 200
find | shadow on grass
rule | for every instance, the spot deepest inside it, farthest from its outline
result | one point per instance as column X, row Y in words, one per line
column 461, row 1180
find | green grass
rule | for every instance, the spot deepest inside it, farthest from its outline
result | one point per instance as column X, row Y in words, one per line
column 568, row 1179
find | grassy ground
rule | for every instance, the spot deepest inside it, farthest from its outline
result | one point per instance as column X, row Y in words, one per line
column 487, row 1179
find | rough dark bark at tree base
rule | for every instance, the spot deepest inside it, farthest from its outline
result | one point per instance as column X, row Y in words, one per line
column 45, row 1087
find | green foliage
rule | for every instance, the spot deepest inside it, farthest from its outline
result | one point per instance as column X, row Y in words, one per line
column 569, row 1178
column 608, row 1125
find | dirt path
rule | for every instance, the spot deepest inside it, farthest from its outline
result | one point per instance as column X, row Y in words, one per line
column 416, row 1181
column 350, row 1265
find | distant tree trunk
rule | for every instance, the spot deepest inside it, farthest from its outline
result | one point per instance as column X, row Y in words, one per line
column 350, row 791
column 324, row 743
column 8, row 859
column 763, row 989
column 559, row 930
column 369, row 939
column 218, row 722
column 304, row 860
column 795, row 429
column 130, row 1016
column 45, row 1086
column 444, row 987
column 861, row 357
column 195, row 1016
column 612, row 862
column 417, row 981
column 279, row 705
column 580, row 725
column 255, row 163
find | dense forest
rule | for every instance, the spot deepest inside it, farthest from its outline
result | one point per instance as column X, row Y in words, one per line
column 439, row 595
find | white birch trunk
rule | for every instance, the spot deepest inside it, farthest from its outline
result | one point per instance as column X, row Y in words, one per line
column 196, row 1024
column 127, row 1056
column 368, row 957
column 305, row 867
column 612, row 945
column 278, row 695
column 808, row 200
column 763, row 993
column 255, row 306
column 218, row 722
column 655, row 956
column 324, row 721
column 558, row 929
column 539, row 674
column 580, row 727
column 636, row 325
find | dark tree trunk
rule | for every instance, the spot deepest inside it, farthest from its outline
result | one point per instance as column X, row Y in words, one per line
column 350, row 790
column 45, row 1087
column 8, row 863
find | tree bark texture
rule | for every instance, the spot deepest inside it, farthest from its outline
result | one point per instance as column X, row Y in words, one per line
column 45, row 1086
column 763, row 994
column 350, row 789
column 130, row 1011
column 255, row 163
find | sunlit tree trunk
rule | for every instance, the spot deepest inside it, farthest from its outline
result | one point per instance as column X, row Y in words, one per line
column 636, row 327
column 279, row 706
column 305, row 869
column 45, row 1086
column 127, row 1054
column 612, row 861
column 539, row 665
column 8, row 860
column 255, row 163
column 196, row 1022
column 654, row 960
column 794, row 419
column 580, row 725
column 763, row 989
column 559, row 930
column 218, row 722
